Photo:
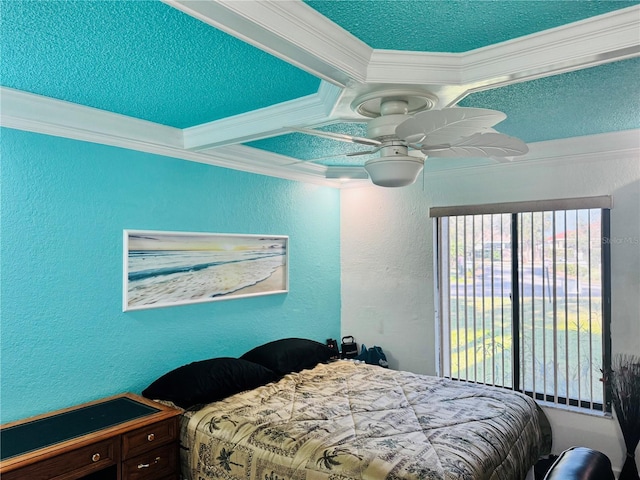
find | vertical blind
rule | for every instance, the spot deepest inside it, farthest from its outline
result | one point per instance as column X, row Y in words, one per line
column 523, row 297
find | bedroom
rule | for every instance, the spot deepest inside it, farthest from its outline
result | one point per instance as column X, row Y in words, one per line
column 65, row 203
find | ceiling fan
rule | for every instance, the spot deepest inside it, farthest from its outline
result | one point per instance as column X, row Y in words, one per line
column 405, row 130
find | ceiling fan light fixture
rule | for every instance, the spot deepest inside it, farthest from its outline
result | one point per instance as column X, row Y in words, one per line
column 394, row 171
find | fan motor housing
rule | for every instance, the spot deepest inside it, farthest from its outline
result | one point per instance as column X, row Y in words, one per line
column 384, row 126
column 394, row 148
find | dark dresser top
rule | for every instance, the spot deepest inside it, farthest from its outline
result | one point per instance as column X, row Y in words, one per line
column 43, row 432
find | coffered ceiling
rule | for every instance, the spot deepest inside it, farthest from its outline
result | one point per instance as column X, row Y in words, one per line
column 227, row 82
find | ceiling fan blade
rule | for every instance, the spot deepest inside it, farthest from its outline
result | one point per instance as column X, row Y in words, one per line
column 437, row 127
column 363, row 152
column 316, row 159
column 334, row 155
column 480, row 145
column 337, row 136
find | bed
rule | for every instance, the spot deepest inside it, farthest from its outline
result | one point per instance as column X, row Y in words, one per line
column 347, row 420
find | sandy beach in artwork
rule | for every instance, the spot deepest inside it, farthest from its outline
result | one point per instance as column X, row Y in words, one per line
column 270, row 284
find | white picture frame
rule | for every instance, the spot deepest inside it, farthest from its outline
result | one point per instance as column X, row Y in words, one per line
column 164, row 268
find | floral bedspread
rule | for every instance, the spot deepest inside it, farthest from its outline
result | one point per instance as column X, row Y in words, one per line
column 354, row 421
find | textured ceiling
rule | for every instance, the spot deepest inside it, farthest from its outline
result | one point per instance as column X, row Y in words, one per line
column 240, row 78
column 144, row 59
column 453, row 25
column 585, row 102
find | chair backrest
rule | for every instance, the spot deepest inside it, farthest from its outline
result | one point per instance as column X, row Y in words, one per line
column 580, row 463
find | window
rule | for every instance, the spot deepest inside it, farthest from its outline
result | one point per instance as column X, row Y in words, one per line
column 524, row 298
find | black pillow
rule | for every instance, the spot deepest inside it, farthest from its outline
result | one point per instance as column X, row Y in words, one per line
column 208, row 380
column 289, row 355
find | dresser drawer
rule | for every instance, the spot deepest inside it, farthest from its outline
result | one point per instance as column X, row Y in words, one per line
column 146, row 438
column 152, row 465
column 83, row 460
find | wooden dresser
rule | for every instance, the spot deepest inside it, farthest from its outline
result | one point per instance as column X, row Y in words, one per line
column 125, row 437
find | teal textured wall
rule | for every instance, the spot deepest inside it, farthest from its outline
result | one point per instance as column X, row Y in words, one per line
column 64, row 337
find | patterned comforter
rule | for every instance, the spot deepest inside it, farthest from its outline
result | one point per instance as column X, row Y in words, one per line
column 354, row 421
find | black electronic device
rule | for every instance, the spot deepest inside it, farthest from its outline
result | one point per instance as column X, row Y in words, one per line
column 349, row 347
column 333, row 345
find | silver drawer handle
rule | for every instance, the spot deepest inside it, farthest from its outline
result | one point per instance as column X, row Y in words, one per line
column 95, row 457
column 151, row 437
column 147, row 465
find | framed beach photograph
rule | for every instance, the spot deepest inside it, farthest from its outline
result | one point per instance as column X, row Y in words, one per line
column 163, row 269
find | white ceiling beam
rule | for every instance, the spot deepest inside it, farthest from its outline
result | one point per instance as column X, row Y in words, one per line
column 271, row 164
column 610, row 37
column 410, row 68
column 606, row 38
column 438, row 73
column 290, row 30
column 37, row 113
column 600, row 146
column 265, row 122
column 298, row 34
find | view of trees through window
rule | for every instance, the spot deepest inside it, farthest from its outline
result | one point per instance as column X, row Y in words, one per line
column 550, row 265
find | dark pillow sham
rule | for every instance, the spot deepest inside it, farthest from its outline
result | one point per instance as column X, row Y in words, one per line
column 206, row 381
column 289, row 355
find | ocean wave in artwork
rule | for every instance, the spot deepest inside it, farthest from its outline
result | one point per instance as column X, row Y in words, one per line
column 170, row 277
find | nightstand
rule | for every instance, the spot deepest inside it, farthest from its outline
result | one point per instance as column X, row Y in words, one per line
column 125, row 437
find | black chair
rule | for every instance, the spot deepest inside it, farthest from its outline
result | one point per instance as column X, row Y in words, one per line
column 580, row 463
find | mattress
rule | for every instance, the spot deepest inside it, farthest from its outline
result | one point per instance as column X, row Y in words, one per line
column 344, row 420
